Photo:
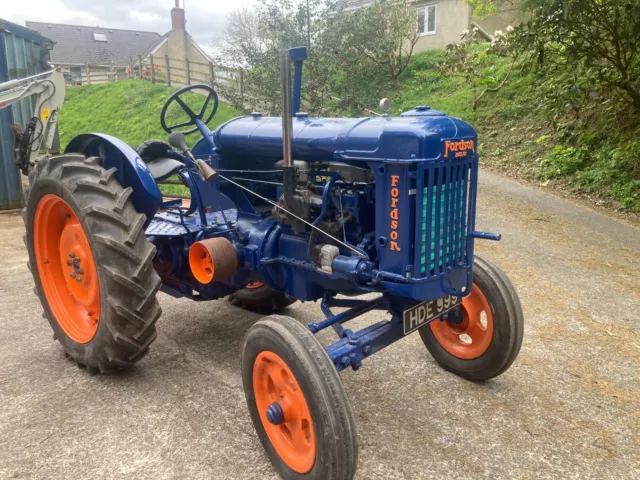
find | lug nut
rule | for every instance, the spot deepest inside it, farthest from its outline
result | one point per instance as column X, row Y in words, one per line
column 81, row 272
column 69, row 262
column 72, row 255
column 72, row 275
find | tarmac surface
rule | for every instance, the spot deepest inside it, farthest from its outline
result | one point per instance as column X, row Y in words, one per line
column 569, row 407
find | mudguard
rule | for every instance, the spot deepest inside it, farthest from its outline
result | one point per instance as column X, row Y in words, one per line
column 131, row 170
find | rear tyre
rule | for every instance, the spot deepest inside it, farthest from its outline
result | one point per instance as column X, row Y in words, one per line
column 256, row 296
column 297, row 402
column 91, row 263
column 487, row 340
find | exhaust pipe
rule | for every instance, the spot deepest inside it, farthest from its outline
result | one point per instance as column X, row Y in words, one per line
column 288, row 169
column 287, row 116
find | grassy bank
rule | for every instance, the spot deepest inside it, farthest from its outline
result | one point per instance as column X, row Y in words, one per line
column 128, row 109
column 595, row 153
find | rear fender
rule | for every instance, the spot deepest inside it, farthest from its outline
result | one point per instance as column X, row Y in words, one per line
column 131, row 170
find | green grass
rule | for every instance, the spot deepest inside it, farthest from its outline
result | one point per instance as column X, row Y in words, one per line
column 127, row 109
column 595, row 154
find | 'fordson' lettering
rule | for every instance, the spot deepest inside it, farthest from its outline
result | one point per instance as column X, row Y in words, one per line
column 459, row 148
column 395, row 193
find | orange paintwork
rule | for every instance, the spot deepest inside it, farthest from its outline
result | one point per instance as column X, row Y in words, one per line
column 201, row 263
column 66, row 268
column 294, row 439
column 448, row 334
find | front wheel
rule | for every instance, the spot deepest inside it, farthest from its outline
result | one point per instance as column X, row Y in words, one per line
column 486, row 338
column 297, row 402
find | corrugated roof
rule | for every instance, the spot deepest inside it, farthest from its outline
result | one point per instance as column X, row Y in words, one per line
column 75, row 44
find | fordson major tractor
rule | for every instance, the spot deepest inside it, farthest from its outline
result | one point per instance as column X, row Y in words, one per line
column 358, row 214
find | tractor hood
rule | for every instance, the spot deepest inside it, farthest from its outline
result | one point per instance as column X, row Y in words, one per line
column 417, row 135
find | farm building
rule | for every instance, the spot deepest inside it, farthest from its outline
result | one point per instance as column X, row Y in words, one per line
column 100, row 54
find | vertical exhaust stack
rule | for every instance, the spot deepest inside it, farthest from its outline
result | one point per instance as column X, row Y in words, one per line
column 288, row 170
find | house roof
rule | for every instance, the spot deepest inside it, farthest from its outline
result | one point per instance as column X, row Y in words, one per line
column 75, row 44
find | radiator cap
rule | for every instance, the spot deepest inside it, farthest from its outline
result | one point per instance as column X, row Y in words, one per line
column 423, row 111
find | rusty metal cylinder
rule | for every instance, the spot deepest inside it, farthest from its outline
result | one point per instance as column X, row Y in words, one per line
column 213, row 260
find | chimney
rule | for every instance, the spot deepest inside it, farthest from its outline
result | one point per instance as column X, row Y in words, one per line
column 178, row 20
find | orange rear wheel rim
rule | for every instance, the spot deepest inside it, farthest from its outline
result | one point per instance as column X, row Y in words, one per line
column 253, row 285
column 294, row 439
column 471, row 338
column 66, row 268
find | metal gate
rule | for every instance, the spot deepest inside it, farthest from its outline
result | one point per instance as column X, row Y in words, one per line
column 23, row 52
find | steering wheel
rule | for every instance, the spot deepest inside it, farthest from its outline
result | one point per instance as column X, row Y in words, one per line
column 192, row 116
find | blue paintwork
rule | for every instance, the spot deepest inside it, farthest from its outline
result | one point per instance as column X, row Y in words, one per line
column 131, row 170
column 407, row 139
column 297, row 55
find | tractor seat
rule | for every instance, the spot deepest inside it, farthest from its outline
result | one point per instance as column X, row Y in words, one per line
column 161, row 160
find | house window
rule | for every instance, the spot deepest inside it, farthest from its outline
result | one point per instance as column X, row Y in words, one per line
column 99, row 37
column 427, row 20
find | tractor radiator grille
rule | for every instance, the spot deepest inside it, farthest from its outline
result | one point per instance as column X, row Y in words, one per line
column 445, row 210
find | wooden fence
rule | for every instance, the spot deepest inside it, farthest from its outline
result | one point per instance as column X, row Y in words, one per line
column 181, row 72
column 170, row 71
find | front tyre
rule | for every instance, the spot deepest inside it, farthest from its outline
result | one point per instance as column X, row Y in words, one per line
column 91, row 263
column 297, row 402
column 487, row 338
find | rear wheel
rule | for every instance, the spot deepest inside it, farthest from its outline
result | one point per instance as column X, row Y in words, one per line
column 486, row 339
column 297, row 402
column 258, row 297
column 91, row 263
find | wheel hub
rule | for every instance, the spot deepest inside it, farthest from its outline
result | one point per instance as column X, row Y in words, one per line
column 74, row 253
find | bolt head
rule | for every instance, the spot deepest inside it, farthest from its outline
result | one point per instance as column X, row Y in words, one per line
column 72, row 275
column 69, row 262
column 72, row 255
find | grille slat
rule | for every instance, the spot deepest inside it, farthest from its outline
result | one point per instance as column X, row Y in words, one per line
column 445, row 216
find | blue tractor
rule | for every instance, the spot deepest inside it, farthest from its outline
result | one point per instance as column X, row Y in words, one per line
column 359, row 214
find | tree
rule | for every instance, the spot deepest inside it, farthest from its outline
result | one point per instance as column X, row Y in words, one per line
column 253, row 40
column 595, row 40
column 474, row 62
column 383, row 32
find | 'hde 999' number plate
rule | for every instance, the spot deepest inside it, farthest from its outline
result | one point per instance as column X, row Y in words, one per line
column 417, row 316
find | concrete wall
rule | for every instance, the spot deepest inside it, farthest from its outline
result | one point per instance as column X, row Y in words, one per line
column 452, row 17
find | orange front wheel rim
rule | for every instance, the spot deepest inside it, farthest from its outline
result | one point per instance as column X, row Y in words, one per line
column 66, row 268
column 472, row 337
column 254, row 285
column 284, row 412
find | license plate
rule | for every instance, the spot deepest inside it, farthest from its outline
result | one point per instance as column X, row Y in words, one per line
column 416, row 317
